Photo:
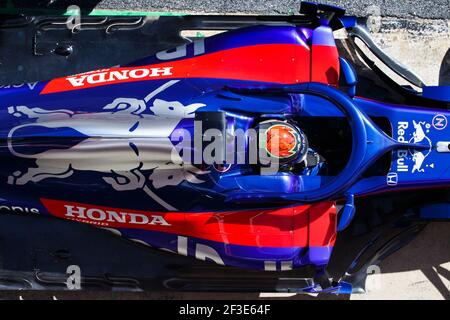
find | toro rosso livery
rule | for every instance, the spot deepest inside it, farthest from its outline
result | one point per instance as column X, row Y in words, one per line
column 125, row 148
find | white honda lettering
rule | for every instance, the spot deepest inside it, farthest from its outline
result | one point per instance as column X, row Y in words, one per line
column 118, row 75
column 96, row 78
column 166, row 71
column 77, row 81
column 96, row 214
column 159, row 220
column 114, row 216
column 72, row 211
column 136, row 218
column 139, row 73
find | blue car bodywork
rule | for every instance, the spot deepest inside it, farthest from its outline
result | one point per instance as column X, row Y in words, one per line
column 103, row 148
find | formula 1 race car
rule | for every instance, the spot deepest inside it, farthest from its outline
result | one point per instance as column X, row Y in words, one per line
column 249, row 149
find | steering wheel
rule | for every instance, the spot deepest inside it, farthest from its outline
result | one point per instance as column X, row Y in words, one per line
column 351, row 171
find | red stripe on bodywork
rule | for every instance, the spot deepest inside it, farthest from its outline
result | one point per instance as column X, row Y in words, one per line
column 280, row 63
column 322, row 225
column 325, row 64
column 300, row 226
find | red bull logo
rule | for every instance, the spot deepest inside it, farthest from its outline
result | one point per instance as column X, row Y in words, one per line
column 124, row 163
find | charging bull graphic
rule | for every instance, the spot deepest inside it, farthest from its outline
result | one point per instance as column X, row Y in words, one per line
column 123, row 161
column 418, row 136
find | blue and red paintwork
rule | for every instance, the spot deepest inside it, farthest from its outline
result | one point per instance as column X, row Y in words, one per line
column 290, row 220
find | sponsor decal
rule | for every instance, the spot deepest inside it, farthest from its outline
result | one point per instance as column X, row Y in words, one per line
column 117, row 75
column 30, row 85
column 124, row 170
column 107, row 76
column 18, row 209
column 402, row 153
column 96, row 215
column 417, row 157
column 392, row 179
column 439, row 122
column 105, row 216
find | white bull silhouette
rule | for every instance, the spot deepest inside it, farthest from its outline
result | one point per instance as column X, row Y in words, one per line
column 418, row 134
column 146, row 146
column 419, row 157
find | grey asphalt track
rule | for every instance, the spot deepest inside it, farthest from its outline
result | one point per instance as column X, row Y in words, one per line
column 430, row 9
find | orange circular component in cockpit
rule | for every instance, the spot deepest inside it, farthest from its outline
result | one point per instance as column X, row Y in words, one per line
column 281, row 141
